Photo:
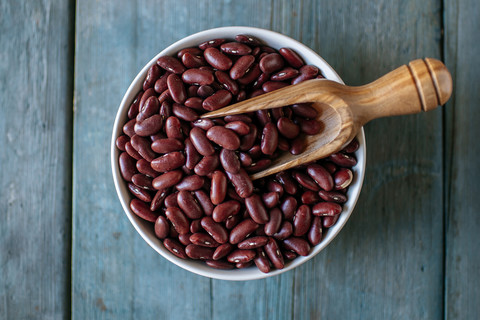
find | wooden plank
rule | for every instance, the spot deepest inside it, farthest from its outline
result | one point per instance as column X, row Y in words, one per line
column 35, row 158
column 462, row 54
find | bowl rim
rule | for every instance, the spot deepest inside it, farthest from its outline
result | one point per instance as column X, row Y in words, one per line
column 142, row 226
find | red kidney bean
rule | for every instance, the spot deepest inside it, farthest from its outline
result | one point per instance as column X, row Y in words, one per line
column 256, row 209
column 302, row 220
column 263, row 117
column 261, row 261
column 142, row 181
column 168, row 162
column 258, row 166
column 121, row 141
column 304, row 110
column 326, row 209
column 226, row 210
column 140, row 193
column 171, row 200
column 167, row 180
column 235, row 48
column 205, row 91
column 287, row 181
column 203, row 240
column 242, row 230
column 183, row 238
column 275, row 222
column 149, row 126
column 251, row 75
column 195, row 103
column 310, row 197
column 127, row 166
column 223, row 137
column 189, row 205
column 150, row 107
column 270, row 86
column 271, row 63
column 147, row 94
column 198, row 77
column 291, row 57
column 332, row 196
column 190, row 183
column 218, row 190
column 167, row 145
column 286, row 230
column 287, row 128
column 207, row 165
column 166, row 111
column 241, row 66
column 204, row 124
column 298, row 245
column 352, row 146
column 274, row 254
column 229, row 84
column 157, row 136
column 343, row 178
column 161, row 83
column 241, row 256
column 197, row 252
column 204, row 201
column 128, row 128
column 270, row 199
column 275, row 186
column 343, row 160
column 229, row 161
column 218, row 100
column 184, row 113
column 231, row 222
column 298, row 146
column 220, row 264
column 243, row 265
column 285, row 74
column 134, row 107
column 211, row 43
column 142, row 146
column 171, row 64
column 321, row 176
column 269, row 139
column 310, row 127
column 193, row 61
column 200, row 141
column 192, row 50
column 178, row 220
column 222, row 251
column 192, row 156
column 253, row 242
column 245, row 159
column 305, row 181
column 315, row 233
column 175, row 248
column 248, row 140
column 196, row 226
column 173, row 128
column 165, row 96
column 216, row 230
column 247, row 39
column 132, row 152
column 329, row 221
column 217, row 59
column 176, row 88
column 162, row 227
column 288, row 206
column 239, row 127
column 307, row 72
column 158, row 199
column 142, row 210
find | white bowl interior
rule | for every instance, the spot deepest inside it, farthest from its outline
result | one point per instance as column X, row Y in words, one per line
column 145, row 229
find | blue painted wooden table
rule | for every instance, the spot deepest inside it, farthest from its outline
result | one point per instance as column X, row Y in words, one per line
column 67, row 250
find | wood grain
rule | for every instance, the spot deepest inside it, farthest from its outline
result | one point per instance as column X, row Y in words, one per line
column 462, row 261
column 35, row 158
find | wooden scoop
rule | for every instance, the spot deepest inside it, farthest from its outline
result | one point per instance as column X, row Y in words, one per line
column 343, row 110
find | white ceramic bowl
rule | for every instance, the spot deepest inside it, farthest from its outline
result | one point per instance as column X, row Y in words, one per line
column 145, row 229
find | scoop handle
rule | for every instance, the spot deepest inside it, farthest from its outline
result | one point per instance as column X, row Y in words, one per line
column 422, row 85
